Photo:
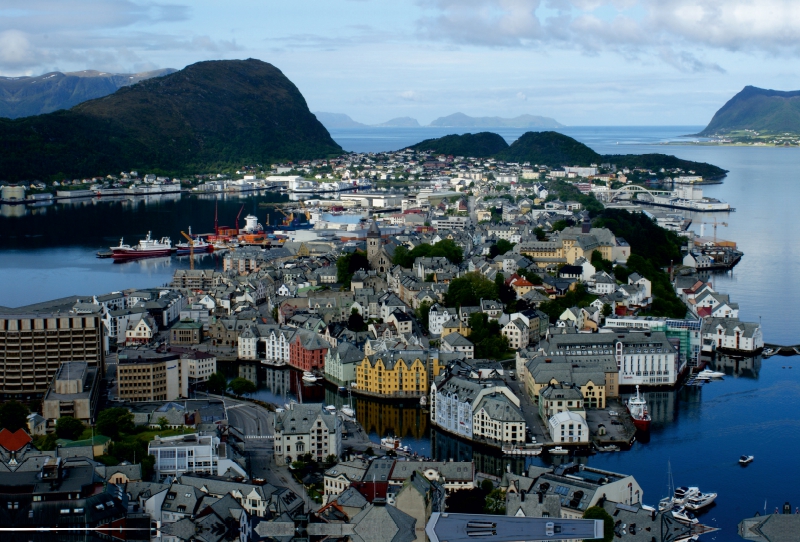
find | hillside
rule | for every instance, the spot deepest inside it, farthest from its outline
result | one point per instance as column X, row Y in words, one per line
column 460, row 120
column 206, row 115
column 758, row 109
column 475, row 145
column 333, row 121
column 549, row 148
column 26, row 96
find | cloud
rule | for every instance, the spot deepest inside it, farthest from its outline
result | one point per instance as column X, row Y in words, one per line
column 636, row 29
column 522, row 96
column 409, row 95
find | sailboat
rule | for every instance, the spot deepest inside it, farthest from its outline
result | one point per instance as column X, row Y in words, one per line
column 669, row 501
column 347, row 410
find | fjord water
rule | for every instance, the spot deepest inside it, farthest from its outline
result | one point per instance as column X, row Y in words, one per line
column 49, row 253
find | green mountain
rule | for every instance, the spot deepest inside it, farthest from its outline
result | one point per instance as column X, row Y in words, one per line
column 554, row 149
column 25, row 96
column 758, row 109
column 206, row 115
column 478, row 145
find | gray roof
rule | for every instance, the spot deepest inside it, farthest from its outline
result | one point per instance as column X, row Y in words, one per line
column 771, row 528
column 499, row 407
column 383, row 523
column 456, row 339
column 299, row 419
column 449, row 471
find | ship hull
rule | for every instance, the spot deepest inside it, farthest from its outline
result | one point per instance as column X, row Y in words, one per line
column 641, row 425
column 139, row 254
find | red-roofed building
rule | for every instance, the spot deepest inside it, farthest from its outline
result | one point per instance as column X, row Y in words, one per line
column 371, row 490
column 14, row 442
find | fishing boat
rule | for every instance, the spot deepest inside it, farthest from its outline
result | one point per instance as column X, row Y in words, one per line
column 393, row 443
column 746, row 459
column 700, row 501
column 147, row 248
column 637, row 407
column 200, row 245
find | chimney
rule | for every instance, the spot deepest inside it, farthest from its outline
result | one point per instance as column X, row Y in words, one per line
column 586, row 227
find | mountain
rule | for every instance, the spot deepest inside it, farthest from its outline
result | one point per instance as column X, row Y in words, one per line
column 206, row 115
column 332, row 121
column 400, row 122
column 460, row 120
column 25, row 96
column 475, row 145
column 758, row 109
column 549, row 148
column 554, row 149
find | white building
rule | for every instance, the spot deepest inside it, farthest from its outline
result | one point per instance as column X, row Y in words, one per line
column 437, row 316
column 306, row 429
column 517, row 333
column 568, row 427
column 191, row 453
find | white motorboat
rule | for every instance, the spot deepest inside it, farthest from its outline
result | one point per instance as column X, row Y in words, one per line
column 680, row 513
column 746, row 459
column 330, row 408
column 683, row 493
column 558, row 450
column 706, row 374
column 392, row 443
column 310, row 378
column 347, row 411
column 700, row 501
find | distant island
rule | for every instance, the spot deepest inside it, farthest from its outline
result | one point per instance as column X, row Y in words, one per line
column 555, row 150
column 337, row 121
column 202, row 117
column 26, row 96
column 757, row 115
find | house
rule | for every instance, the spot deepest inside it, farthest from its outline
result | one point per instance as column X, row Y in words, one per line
column 732, row 335
column 455, row 342
column 306, row 429
column 339, row 477
column 141, row 332
column 186, row 331
column 307, row 351
column 402, row 321
column 517, row 333
column 493, row 309
column 341, row 363
column 437, row 316
column 568, row 427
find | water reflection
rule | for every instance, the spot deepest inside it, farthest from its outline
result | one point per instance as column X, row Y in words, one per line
column 738, row 367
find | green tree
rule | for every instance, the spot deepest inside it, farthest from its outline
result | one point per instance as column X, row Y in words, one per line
column 539, row 233
column 163, row 423
column 469, row 289
column 348, row 264
column 216, row 382
column 69, row 428
column 559, row 225
column 600, row 263
column 331, row 460
column 504, row 246
column 597, row 512
column 607, row 310
column 356, row 321
column 13, row 416
column 532, row 276
column 495, row 502
column 487, row 485
column 114, row 421
column 239, row 386
column 430, row 277
column 423, row 314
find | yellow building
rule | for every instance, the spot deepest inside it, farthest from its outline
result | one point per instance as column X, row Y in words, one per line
column 394, row 373
column 571, row 244
column 455, row 325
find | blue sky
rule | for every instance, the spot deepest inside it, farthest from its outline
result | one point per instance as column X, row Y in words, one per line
column 582, row 62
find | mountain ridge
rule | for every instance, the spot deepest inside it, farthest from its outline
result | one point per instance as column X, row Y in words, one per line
column 208, row 114
column 762, row 110
column 460, row 120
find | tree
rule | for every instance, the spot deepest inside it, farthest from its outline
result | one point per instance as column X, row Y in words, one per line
column 539, row 233
column 163, row 423
column 446, row 248
column 69, row 428
column 504, row 246
column 495, row 502
column 469, row 289
column 487, row 485
column 559, row 225
column 607, row 310
column 331, row 460
column 13, row 416
column 597, row 512
column 356, row 321
column 423, row 314
column 348, row 264
column 239, row 386
column 114, row 421
column 400, row 256
column 216, row 382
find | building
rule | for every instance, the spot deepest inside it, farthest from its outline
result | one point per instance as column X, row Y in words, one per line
column 771, row 527
column 74, row 392
column 306, row 429
column 35, row 341
column 568, row 428
column 146, row 375
column 455, row 342
column 187, row 331
column 379, row 259
column 341, row 363
column 452, row 475
column 517, row 333
column 393, row 373
column 733, row 336
column 596, row 380
column 140, row 331
column 557, row 398
column 194, row 453
column 340, row 476
column 307, row 351
column 201, row 365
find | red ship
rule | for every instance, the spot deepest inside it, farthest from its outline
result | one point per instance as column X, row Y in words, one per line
column 637, row 407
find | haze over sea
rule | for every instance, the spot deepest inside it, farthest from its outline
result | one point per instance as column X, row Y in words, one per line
column 50, row 252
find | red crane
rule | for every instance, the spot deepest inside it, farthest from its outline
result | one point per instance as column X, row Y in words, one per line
column 237, row 218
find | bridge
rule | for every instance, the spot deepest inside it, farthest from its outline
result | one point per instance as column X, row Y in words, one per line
column 636, row 192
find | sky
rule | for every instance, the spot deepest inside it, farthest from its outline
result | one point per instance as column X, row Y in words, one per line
column 582, row 62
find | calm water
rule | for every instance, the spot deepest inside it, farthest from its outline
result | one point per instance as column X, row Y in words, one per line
column 49, row 252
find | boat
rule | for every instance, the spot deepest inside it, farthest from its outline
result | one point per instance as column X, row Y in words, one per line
column 608, row 448
column 105, row 254
column 309, row 377
column 392, row 443
column 348, row 411
column 746, row 459
column 681, row 514
column 330, row 408
column 200, row 245
column 700, row 501
column 637, row 406
column 683, row 493
column 558, row 450
column 522, row 449
column 423, row 401
column 147, row 248
column 706, row 373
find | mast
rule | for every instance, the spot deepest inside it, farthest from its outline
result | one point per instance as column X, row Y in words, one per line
column 216, row 221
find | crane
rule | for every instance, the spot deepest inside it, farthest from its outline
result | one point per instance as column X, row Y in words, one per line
column 237, row 218
column 715, row 224
column 191, row 247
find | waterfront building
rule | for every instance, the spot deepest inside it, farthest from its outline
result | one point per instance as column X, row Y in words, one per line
column 730, row 335
column 688, row 332
column 266, row 342
column 341, row 363
column 477, row 409
column 146, row 375
column 306, row 429
column 35, row 340
column 307, row 351
column 771, row 527
column 597, row 380
column 556, row 398
column 394, row 373
column 197, row 453
column 568, row 427
column 74, row 392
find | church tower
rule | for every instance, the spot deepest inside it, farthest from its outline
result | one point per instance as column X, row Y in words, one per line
column 373, row 241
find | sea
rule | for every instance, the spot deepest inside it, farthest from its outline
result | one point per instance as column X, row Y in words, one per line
column 699, row 433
